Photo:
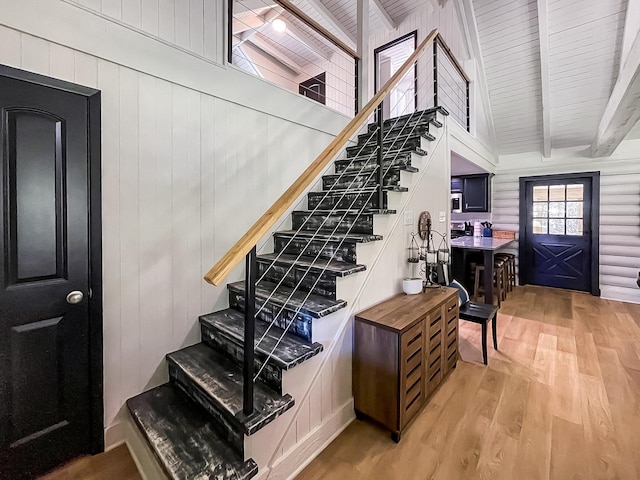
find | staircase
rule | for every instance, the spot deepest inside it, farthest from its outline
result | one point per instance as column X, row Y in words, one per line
column 195, row 423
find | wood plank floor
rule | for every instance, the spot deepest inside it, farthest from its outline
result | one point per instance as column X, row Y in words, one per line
column 115, row 464
column 560, row 400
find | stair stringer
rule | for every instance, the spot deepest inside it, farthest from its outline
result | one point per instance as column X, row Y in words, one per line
column 325, row 382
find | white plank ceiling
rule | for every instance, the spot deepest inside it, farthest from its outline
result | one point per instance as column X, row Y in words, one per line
column 584, row 44
column 581, row 49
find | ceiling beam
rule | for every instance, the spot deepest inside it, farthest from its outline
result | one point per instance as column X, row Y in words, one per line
column 275, row 54
column 304, row 39
column 384, row 16
column 262, row 22
column 258, row 24
column 623, row 108
column 251, row 5
column 543, row 35
column 328, row 16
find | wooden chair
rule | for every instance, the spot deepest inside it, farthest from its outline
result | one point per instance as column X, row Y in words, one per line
column 498, row 282
column 481, row 313
column 510, row 268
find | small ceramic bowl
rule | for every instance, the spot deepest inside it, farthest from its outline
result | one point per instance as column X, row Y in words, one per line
column 412, row 286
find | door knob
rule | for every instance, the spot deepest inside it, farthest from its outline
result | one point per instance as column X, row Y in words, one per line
column 75, row 297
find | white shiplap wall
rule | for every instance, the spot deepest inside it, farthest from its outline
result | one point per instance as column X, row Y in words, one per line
column 509, row 40
column 585, row 43
column 177, row 166
column 619, row 207
column 180, row 158
column 188, row 24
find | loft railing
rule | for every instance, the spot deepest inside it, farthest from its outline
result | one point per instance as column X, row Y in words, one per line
column 450, row 84
column 389, row 138
column 276, row 40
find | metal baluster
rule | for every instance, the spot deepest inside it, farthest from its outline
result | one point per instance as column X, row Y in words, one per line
column 230, row 31
column 357, row 90
column 468, row 110
column 249, row 330
column 380, row 154
column 435, row 72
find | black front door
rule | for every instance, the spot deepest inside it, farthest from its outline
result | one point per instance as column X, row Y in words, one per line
column 45, row 378
column 557, row 240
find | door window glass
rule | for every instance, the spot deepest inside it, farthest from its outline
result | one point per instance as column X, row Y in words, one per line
column 558, row 209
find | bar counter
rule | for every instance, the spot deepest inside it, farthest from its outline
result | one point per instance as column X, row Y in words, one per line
column 488, row 245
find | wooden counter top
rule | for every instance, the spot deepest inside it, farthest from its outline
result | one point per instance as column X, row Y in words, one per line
column 407, row 309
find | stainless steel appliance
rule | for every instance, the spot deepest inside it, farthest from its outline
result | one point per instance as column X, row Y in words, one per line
column 456, row 203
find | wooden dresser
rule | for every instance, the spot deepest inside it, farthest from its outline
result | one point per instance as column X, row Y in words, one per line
column 403, row 348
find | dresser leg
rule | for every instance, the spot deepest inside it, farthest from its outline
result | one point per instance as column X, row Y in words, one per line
column 395, row 436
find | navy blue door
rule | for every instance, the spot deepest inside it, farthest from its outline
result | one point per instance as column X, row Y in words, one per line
column 557, row 230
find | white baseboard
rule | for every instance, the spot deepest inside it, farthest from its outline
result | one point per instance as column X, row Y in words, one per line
column 296, row 459
column 114, row 435
column 145, row 461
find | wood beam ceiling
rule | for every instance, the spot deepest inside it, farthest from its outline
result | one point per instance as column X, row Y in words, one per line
column 383, row 15
column 329, row 17
column 623, row 108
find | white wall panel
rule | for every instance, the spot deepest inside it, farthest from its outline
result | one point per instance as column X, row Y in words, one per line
column 189, row 24
column 176, row 167
column 510, row 48
column 619, row 209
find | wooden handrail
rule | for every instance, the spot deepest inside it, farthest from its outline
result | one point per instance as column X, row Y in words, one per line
column 453, row 59
column 310, row 22
column 235, row 255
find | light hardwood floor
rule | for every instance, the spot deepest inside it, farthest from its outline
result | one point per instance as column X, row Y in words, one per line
column 115, row 464
column 560, row 400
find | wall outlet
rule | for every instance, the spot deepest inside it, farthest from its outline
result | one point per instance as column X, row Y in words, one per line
column 442, row 217
column 408, row 218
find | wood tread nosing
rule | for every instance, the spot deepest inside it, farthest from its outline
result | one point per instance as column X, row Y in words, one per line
column 283, row 349
column 184, row 439
column 215, row 382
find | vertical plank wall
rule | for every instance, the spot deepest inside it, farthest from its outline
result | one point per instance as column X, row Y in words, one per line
column 619, row 209
column 188, row 24
column 183, row 176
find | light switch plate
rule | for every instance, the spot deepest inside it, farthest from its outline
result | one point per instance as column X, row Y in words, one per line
column 442, row 217
column 408, row 218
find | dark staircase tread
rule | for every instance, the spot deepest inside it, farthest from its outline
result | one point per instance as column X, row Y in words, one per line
column 352, row 237
column 221, row 380
column 385, row 188
column 286, row 350
column 388, row 170
column 183, row 438
column 315, row 265
column 412, row 132
column 369, row 158
column 344, row 211
column 372, row 167
column 300, row 301
column 395, row 152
